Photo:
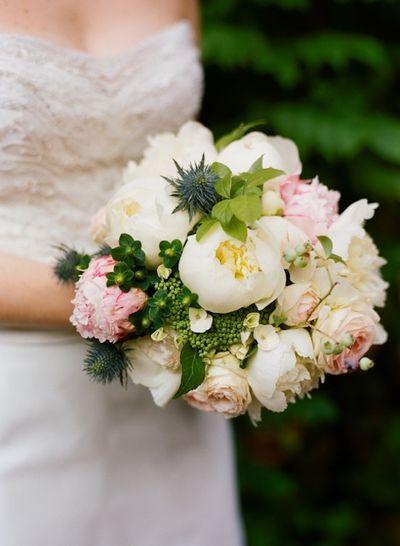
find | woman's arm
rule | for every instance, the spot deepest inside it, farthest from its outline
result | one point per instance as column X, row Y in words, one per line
column 30, row 294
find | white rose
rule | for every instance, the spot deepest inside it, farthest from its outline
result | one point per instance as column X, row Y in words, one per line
column 155, row 364
column 227, row 274
column 186, row 147
column 225, row 389
column 363, row 270
column 144, row 210
column 349, row 224
column 279, row 153
column 298, row 303
column 278, row 374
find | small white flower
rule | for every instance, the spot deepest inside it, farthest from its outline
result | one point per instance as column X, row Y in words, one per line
column 163, row 272
column 200, row 320
column 239, row 350
column 266, row 337
column 159, row 335
column 252, row 320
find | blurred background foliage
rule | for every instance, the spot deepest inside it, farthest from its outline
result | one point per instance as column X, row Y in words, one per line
column 325, row 73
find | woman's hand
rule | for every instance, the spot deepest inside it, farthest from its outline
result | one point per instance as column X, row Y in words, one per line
column 30, row 294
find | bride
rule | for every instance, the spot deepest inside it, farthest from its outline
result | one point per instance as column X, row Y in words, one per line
column 82, row 86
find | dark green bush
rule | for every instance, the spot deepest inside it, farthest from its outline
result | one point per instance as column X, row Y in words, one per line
column 325, row 73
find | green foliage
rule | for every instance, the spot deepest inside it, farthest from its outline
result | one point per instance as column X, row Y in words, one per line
column 193, row 370
column 326, row 74
column 241, row 204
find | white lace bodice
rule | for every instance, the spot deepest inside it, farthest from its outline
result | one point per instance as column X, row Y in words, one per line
column 70, row 121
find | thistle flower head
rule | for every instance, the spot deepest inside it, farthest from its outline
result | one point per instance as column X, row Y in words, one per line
column 194, row 188
column 105, row 362
column 70, row 264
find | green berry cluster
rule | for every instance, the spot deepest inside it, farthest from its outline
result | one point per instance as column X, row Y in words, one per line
column 224, row 332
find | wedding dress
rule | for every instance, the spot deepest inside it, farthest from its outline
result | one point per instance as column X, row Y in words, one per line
column 82, row 464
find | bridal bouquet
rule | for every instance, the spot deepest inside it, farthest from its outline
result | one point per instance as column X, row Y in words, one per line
column 224, row 278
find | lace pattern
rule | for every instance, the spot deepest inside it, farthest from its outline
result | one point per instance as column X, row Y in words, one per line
column 69, row 122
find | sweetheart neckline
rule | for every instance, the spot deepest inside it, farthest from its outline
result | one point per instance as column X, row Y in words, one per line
column 86, row 55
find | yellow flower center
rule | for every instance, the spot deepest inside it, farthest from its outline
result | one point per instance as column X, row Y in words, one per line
column 130, row 207
column 237, row 259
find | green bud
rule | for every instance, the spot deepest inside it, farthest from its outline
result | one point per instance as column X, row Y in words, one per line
column 327, row 348
column 290, row 255
column 300, row 262
column 366, row 364
column 347, row 340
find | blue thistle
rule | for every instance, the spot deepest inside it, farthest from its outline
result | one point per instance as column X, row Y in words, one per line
column 194, row 188
column 70, row 264
column 105, row 362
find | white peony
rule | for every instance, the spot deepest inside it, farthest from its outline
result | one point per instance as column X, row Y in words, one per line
column 155, row 364
column 186, row 147
column 227, row 274
column 279, row 153
column 225, row 389
column 349, row 224
column 277, row 372
column 144, row 210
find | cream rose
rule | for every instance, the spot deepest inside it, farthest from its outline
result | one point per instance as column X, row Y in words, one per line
column 225, row 389
column 298, row 303
column 277, row 372
column 185, row 147
column 277, row 152
column 227, row 274
column 363, row 270
column 144, row 210
column 155, row 364
column 345, row 320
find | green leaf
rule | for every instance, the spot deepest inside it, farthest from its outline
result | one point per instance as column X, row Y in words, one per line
column 193, row 370
column 258, row 178
column 236, row 228
column 220, row 169
column 222, row 211
column 326, row 245
column 238, row 186
column 223, row 186
column 257, row 165
column 204, row 227
column 336, row 258
column 126, row 240
column 237, row 133
column 247, row 208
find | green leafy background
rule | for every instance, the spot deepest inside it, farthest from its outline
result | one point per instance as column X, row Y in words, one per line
column 325, row 73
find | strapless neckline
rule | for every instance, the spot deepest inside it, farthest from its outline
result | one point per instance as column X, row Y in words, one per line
column 51, row 47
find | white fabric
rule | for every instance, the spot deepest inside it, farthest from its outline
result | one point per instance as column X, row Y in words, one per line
column 82, row 464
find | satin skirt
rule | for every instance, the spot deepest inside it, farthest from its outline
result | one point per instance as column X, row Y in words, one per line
column 83, row 464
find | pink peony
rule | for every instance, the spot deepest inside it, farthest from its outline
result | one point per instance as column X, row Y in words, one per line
column 309, row 205
column 102, row 312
